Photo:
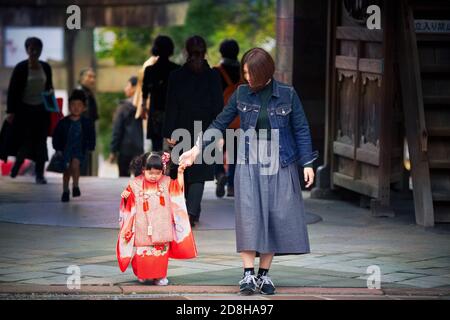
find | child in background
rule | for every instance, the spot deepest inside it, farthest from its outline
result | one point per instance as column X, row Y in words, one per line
column 154, row 224
column 73, row 137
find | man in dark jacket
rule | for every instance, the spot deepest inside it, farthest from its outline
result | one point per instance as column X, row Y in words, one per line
column 127, row 136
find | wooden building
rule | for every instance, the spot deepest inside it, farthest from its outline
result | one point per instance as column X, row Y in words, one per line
column 365, row 91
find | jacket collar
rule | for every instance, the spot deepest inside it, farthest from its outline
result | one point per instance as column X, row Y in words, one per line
column 275, row 89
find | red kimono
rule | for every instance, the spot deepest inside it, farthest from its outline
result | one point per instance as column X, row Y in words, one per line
column 154, row 226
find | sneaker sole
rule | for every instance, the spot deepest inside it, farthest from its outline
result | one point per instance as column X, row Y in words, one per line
column 247, row 292
column 266, row 294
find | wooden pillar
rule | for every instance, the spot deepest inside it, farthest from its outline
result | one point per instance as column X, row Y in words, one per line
column 322, row 190
column 285, row 41
column 2, row 63
column 80, row 54
column 381, row 206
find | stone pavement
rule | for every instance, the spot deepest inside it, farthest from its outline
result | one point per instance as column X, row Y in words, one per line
column 40, row 238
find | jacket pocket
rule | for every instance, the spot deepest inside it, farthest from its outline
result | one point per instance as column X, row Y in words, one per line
column 245, row 113
column 282, row 114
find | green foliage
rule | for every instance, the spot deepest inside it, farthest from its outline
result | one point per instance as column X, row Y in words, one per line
column 250, row 22
column 108, row 103
column 130, row 47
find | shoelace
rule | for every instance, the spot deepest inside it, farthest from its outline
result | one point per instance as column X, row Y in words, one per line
column 248, row 279
column 265, row 280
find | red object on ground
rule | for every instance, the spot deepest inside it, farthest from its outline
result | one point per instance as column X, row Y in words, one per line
column 7, row 166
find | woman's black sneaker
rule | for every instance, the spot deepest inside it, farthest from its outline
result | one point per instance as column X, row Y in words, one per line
column 65, row 196
column 265, row 285
column 76, row 192
column 248, row 284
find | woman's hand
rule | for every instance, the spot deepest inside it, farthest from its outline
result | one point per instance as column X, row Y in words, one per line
column 187, row 158
column 309, row 176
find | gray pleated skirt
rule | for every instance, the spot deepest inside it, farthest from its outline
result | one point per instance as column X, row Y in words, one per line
column 269, row 209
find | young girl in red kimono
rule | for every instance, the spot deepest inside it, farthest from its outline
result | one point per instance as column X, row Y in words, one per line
column 154, row 223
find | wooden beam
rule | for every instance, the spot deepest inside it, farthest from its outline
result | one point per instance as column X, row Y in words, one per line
column 86, row 3
column 359, row 34
column 358, row 186
column 145, row 15
column 411, row 87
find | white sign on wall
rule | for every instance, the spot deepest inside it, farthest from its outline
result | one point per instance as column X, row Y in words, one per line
column 52, row 38
column 432, row 26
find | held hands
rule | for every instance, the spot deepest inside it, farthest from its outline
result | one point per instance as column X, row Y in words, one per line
column 187, row 158
column 309, row 176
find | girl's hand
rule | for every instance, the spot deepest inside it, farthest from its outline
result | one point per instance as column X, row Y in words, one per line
column 309, row 176
column 125, row 194
column 128, row 235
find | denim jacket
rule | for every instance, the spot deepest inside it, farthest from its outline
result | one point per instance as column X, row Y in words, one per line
column 285, row 114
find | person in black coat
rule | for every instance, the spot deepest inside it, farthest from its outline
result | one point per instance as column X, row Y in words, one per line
column 194, row 94
column 87, row 82
column 155, row 84
column 26, row 112
column 73, row 137
column 127, row 137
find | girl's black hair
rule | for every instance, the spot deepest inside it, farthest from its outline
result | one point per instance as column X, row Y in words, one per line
column 147, row 161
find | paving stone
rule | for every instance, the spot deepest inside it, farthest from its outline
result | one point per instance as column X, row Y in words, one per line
column 428, row 282
column 24, row 276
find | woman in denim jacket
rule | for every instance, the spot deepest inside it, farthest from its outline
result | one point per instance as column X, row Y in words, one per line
column 274, row 139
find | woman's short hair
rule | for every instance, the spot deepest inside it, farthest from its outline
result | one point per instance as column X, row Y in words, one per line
column 33, row 41
column 163, row 46
column 260, row 65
